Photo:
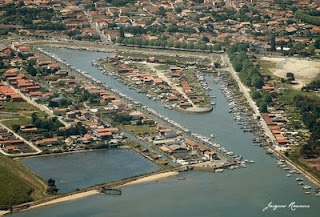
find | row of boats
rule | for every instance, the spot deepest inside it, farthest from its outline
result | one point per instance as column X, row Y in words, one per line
column 260, row 139
column 291, row 172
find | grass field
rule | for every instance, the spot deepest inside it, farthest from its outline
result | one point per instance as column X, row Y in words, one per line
column 22, row 121
column 13, row 190
column 163, row 67
column 18, row 184
column 19, row 111
column 139, row 130
column 18, row 106
column 267, row 67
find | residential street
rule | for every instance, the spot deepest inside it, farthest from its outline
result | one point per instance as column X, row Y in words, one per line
column 38, row 151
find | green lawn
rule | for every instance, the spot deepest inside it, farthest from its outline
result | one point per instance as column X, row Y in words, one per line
column 18, row 106
column 139, row 130
column 18, row 184
column 13, row 190
column 162, row 67
column 266, row 67
column 22, row 121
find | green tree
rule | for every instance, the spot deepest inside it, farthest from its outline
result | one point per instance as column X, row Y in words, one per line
column 178, row 10
column 16, row 127
column 34, row 117
column 263, row 107
column 317, row 44
column 161, row 11
column 121, row 32
column 273, row 43
column 205, row 39
column 52, row 189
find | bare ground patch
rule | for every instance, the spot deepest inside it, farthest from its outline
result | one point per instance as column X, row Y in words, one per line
column 304, row 70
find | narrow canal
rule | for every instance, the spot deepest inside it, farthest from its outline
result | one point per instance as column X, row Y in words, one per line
column 242, row 192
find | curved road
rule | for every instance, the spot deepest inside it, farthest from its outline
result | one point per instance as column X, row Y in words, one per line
column 38, row 151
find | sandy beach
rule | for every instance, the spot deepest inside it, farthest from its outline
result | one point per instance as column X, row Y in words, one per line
column 94, row 192
column 66, row 198
column 152, row 178
column 3, row 212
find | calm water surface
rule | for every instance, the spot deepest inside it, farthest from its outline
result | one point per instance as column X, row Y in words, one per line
column 243, row 192
column 80, row 170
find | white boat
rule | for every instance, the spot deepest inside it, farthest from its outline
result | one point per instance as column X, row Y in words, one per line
column 212, row 135
column 219, row 170
column 307, row 192
column 288, row 175
column 306, row 187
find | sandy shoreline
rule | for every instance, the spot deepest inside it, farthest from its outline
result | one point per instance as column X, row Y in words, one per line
column 152, row 178
column 80, row 195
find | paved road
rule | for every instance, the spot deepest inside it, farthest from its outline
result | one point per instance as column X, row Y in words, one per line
column 38, row 151
column 246, row 92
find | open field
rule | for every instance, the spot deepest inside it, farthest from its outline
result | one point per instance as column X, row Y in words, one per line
column 18, row 184
column 13, row 189
column 304, row 70
column 140, row 129
column 18, row 107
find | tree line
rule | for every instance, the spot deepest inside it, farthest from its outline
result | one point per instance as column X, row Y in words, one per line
column 141, row 42
column 31, row 18
column 248, row 73
column 311, row 17
column 310, row 112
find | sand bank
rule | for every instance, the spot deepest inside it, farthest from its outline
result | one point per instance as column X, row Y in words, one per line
column 152, row 178
column 80, row 195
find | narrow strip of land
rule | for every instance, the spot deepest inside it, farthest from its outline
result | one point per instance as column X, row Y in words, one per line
column 143, row 179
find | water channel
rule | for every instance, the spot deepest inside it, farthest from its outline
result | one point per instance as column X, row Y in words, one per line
column 242, row 192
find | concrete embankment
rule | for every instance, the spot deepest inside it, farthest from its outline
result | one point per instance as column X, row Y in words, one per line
column 297, row 167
